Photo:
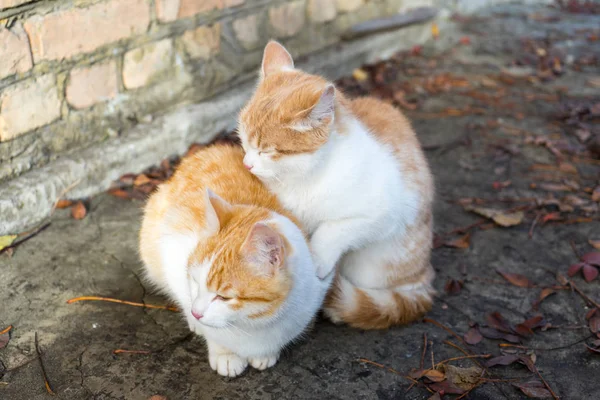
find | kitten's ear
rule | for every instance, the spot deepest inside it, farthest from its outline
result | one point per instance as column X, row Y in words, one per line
column 275, row 58
column 264, row 248
column 216, row 211
column 324, row 110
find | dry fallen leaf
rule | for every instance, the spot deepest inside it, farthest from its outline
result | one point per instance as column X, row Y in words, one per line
column 595, row 243
column 473, row 336
column 596, row 194
column 502, row 360
column 453, row 286
column 5, row 336
column 590, row 272
column 64, row 203
column 464, row 378
column 435, row 396
column 459, row 243
column 120, row 193
column 360, row 75
column 516, row 279
column 592, row 258
column 594, row 323
column 496, row 320
column 545, row 293
column 78, row 211
column 534, row 389
column 492, row 333
column 498, row 216
column 6, row 241
column 141, row 180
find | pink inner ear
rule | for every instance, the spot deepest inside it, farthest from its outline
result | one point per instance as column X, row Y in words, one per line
column 275, row 58
column 264, row 247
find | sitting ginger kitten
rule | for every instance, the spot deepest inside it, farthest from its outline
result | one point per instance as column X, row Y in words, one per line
column 354, row 173
column 234, row 261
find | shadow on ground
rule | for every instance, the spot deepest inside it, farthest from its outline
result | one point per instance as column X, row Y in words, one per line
column 483, row 118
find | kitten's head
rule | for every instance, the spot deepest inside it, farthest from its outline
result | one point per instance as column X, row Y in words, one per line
column 238, row 275
column 286, row 125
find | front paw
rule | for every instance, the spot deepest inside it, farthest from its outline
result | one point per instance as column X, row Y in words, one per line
column 227, row 364
column 262, row 363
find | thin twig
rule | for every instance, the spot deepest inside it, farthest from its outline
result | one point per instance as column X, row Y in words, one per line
column 25, row 236
column 6, row 330
column 572, row 243
column 533, row 224
column 545, row 383
column 432, row 362
column 422, row 364
column 39, row 353
column 585, row 296
column 98, row 298
column 121, row 351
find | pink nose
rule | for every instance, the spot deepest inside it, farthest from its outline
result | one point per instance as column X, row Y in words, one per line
column 248, row 167
column 197, row 315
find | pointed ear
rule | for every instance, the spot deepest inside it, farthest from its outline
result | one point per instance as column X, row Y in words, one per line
column 275, row 58
column 264, row 248
column 216, row 211
column 323, row 111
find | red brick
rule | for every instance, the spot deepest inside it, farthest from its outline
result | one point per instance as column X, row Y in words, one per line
column 170, row 10
column 90, row 85
column 141, row 65
column 15, row 51
column 63, row 34
column 28, row 105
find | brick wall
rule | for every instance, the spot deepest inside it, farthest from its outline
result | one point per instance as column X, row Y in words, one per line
column 91, row 89
column 74, row 73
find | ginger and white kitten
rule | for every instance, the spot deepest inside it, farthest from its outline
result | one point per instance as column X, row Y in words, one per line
column 354, row 173
column 220, row 245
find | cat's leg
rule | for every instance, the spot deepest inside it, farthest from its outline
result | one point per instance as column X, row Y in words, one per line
column 225, row 362
column 333, row 238
column 262, row 363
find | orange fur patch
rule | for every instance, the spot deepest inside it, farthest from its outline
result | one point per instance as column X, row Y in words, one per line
column 182, row 202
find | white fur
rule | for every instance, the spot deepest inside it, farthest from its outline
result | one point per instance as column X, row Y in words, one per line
column 350, row 195
column 233, row 339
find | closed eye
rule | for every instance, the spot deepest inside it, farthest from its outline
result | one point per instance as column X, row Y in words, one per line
column 267, row 152
column 222, row 298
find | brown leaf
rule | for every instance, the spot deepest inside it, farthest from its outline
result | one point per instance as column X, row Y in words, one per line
column 453, row 286
column 78, row 211
column 462, row 242
column 64, row 203
column 445, row 386
column 527, row 361
column 543, row 294
column 157, row 397
column 573, row 269
column 5, row 337
column 120, row 193
column 496, row 320
column 592, row 258
column 523, row 330
column 498, row 216
column 464, row 378
column 554, row 216
column 492, row 333
column 516, row 279
column 502, row 360
column 594, row 243
column 473, row 336
column 589, row 272
column 594, row 323
column 567, row 168
column 434, row 375
column 593, row 349
column 535, row 389
column 141, row 180
column 534, row 322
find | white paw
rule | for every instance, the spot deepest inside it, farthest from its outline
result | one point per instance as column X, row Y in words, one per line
column 227, row 364
column 262, row 363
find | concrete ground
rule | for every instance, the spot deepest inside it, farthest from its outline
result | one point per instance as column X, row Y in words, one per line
column 473, row 139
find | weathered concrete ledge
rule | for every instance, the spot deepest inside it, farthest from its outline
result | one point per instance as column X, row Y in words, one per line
column 27, row 200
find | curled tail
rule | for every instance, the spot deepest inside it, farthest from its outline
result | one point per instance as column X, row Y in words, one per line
column 379, row 308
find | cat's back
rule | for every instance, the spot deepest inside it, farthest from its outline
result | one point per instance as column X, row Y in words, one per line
column 389, row 126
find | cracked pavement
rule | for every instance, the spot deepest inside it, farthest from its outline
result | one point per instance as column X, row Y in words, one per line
column 98, row 256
